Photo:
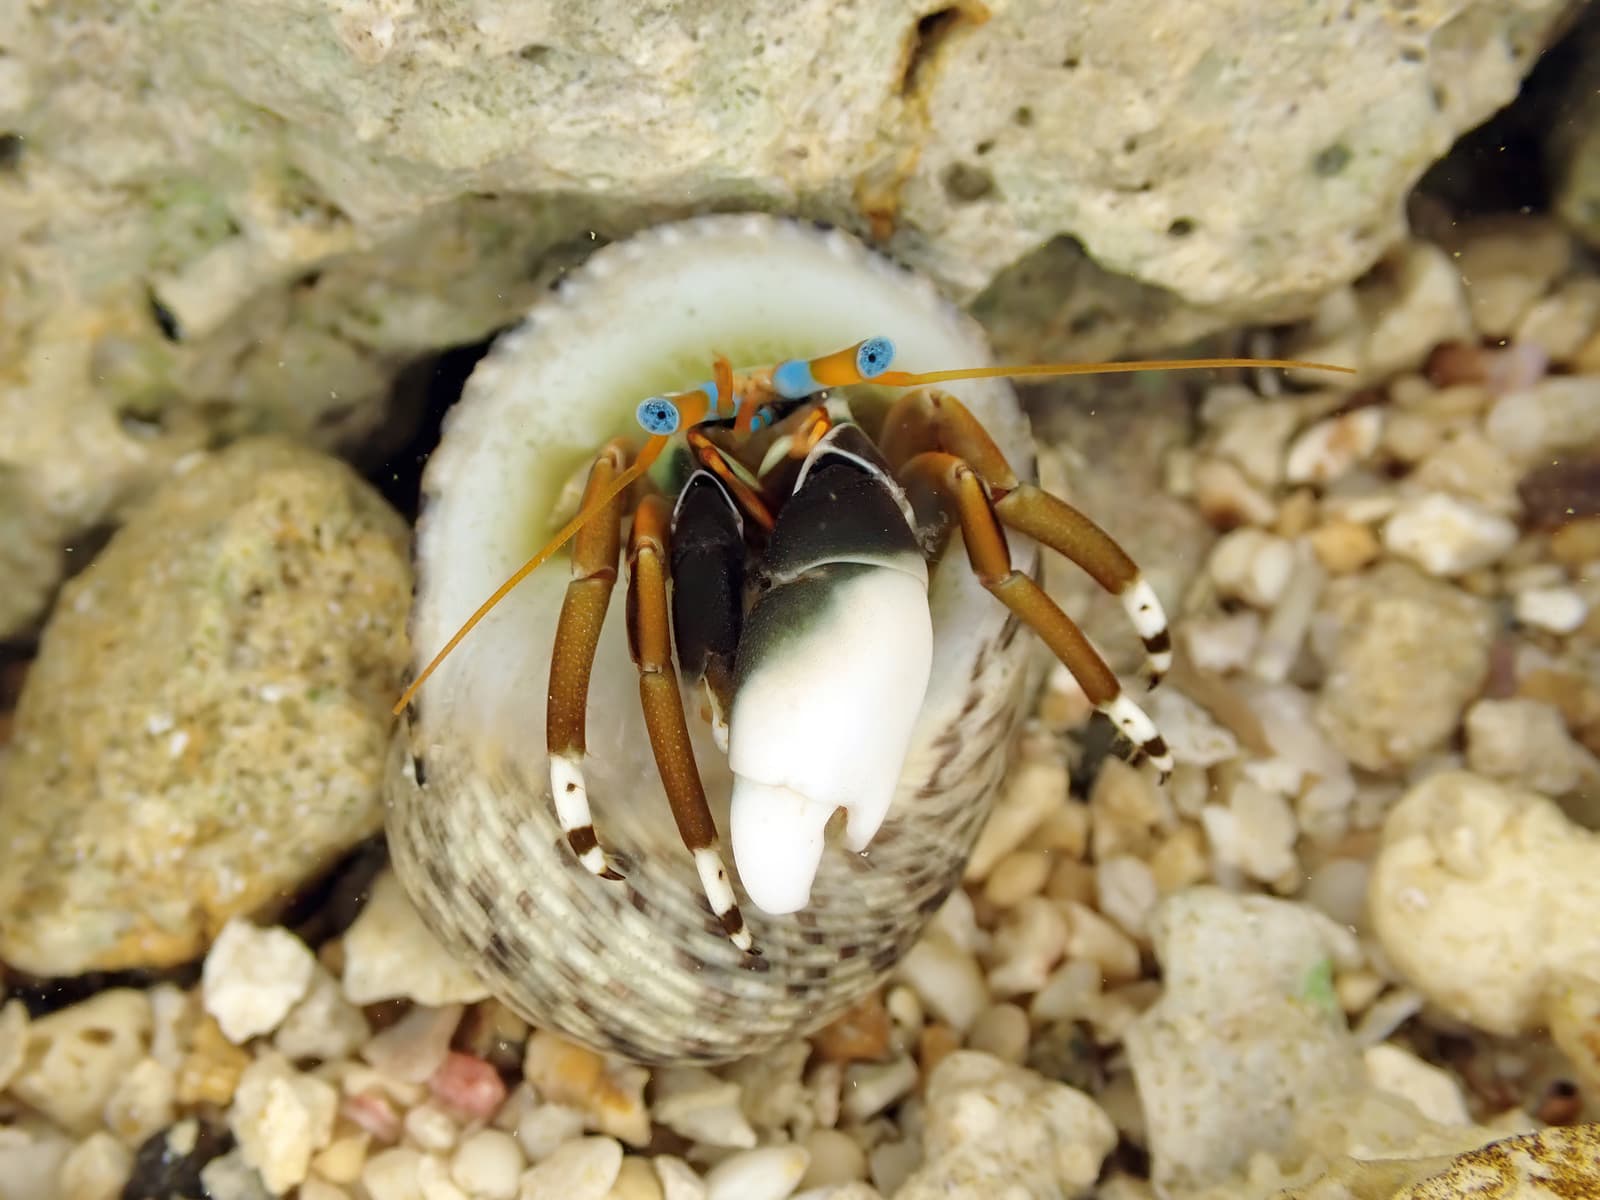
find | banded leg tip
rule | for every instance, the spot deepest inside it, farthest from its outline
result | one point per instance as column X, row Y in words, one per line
column 595, row 860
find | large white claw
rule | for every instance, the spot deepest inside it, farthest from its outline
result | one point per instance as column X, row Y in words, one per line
column 824, row 724
column 777, row 842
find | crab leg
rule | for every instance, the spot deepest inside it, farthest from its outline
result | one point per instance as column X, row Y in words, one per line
column 650, row 642
column 583, row 612
column 958, row 483
column 936, row 420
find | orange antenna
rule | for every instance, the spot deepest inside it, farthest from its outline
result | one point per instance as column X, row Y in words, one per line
column 868, row 362
column 661, row 416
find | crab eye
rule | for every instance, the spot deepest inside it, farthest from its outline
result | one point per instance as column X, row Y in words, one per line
column 873, row 356
column 658, row 416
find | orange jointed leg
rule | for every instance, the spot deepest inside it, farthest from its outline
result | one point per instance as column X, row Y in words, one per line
column 751, row 503
column 986, row 546
column 923, row 421
column 583, row 612
column 650, row 641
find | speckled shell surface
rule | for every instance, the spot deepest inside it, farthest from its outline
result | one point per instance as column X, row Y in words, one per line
column 640, row 967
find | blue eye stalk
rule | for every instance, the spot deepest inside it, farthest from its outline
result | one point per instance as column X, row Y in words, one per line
column 658, row 416
column 873, row 357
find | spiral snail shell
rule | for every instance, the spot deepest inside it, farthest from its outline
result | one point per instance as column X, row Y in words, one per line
column 640, row 967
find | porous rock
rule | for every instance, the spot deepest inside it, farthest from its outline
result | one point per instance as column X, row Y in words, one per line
column 205, row 724
column 1484, row 896
column 1404, row 654
column 338, row 186
column 995, row 1129
column 1247, row 1031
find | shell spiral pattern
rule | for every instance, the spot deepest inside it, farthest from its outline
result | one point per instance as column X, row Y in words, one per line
column 641, row 968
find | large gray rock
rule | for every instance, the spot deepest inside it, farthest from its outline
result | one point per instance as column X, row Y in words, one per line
column 312, row 191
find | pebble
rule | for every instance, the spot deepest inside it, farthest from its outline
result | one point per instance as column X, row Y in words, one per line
column 1179, row 861
column 1252, row 565
column 635, row 1181
column 1343, row 546
column 1561, row 322
column 96, row 1168
column 433, row 1177
column 835, row 1158
column 324, row 1025
column 1033, row 790
column 211, row 1069
column 678, row 1179
column 1227, row 498
column 854, row 1190
column 390, row 955
column 468, row 1086
column 1265, row 832
column 1554, row 609
column 1329, row 448
column 1252, row 434
column 543, row 1128
column 315, row 1188
column 1526, row 742
column 1470, row 466
column 392, row 1174
column 416, row 1045
column 1434, row 1092
column 1028, row 942
column 281, row 1119
column 946, row 979
column 229, row 1177
column 252, row 977
column 770, row 1173
column 1558, row 413
column 1018, row 875
column 994, row 1129
column 342, row 1159
column 1002, row 1031
column 1191, row 733
column 143, row 1102
column 862, row 1031
column 431, row 1128
column 1403, row 656
column 869, row 1088
column 890, row 1163
column 1338, row 888
column 13, row 1040
column 1220, row 643
column 1090, row 936
column 488, row 1164
column 1446, row 535
column 610, row 1095
column 76, row 1057
column 1506, row 263
column 580, row 1170
column 774, row 1088
column 1126, row 892
column 1125, row 807
column 693, row 1102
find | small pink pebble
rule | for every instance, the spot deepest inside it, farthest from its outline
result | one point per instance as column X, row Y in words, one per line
column 374, row 1114
column 469, row 1085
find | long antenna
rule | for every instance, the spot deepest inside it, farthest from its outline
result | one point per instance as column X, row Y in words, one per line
column 865, row 362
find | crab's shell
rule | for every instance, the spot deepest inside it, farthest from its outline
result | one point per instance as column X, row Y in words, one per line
column 641, row 968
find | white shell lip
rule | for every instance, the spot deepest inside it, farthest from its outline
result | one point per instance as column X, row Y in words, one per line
column 640, row 968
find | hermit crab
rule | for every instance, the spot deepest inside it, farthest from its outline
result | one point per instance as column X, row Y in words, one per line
column 830, row 551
